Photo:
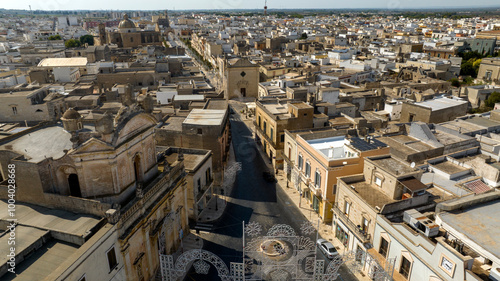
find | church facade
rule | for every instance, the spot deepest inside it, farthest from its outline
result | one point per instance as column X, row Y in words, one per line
column 109, row 169
column 240, row 78
column 128, row 35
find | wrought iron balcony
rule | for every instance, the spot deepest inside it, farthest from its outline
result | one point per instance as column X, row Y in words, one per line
column 362, row 235
column 264, row 134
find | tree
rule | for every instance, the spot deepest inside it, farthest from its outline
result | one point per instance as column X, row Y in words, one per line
column 72, row 43
column 492, row 99
column 468, row 80
column 466, row 56
column 455, row 82
column 303, row 36
column 476, row 64
column 55, row 37
column 467, row 69
column 89, row 39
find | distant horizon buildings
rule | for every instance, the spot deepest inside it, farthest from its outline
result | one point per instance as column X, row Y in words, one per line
column 290, row 5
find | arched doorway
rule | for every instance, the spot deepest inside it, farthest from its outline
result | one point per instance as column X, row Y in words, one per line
column 138, row 169
column 74, row 185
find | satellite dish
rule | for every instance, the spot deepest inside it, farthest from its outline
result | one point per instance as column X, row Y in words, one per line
column 412, row 164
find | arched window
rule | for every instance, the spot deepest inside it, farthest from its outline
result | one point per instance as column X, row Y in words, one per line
column 138, row 169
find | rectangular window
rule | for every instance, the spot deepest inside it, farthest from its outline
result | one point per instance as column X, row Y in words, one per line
column 308, row 169
column 405, row 267
column 384, row 247
column 112, row 259
column 282, row 138
column 209, row 174
column 271, row 134
column 265, row 127
column 412, row 117
column 259, row 122
column 488, row 75
column 364, row 225
column 378, row 181
column 14, row 110
column 200, row 131
column 300, row 162
column 347, row 208
column 334, row 191
column 317, row 179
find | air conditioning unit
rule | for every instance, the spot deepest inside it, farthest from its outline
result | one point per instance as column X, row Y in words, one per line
column 421, row 223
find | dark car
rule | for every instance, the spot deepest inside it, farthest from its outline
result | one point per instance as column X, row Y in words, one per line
column 269, row 177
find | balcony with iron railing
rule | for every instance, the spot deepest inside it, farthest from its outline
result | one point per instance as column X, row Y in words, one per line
column 264, row 134
column 361, row 234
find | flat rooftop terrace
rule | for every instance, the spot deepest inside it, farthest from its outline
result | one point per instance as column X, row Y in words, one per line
column 449, row 168
column 393, row 166
column 371, row 195
column 207, row 117
column 173, row 123
column 48, row 142
column 51, row 219
column 440, row 103
column 43, row 262
column 481, row 224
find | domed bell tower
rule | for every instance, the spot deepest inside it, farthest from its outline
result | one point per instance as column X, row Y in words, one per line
column 72, row 122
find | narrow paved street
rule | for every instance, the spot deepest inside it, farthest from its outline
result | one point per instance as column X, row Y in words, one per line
column 252, row 199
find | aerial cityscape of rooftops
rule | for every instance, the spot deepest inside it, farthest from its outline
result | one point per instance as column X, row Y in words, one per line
column 236, row 142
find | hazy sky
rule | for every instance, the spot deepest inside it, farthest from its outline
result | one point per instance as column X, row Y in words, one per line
column 236, row 4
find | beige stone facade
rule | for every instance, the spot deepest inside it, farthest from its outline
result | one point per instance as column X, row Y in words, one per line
column 379, row 190
column 318, row 172
column 240, row 79
column 30, row 105
column 489, row 70
column 108, row 169
column 273, row 118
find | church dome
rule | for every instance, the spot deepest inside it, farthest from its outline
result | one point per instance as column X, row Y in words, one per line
column 71, row 113
column 126, row 23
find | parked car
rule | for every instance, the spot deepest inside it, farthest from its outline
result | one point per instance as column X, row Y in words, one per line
column 269, row 177
column 327, row 248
